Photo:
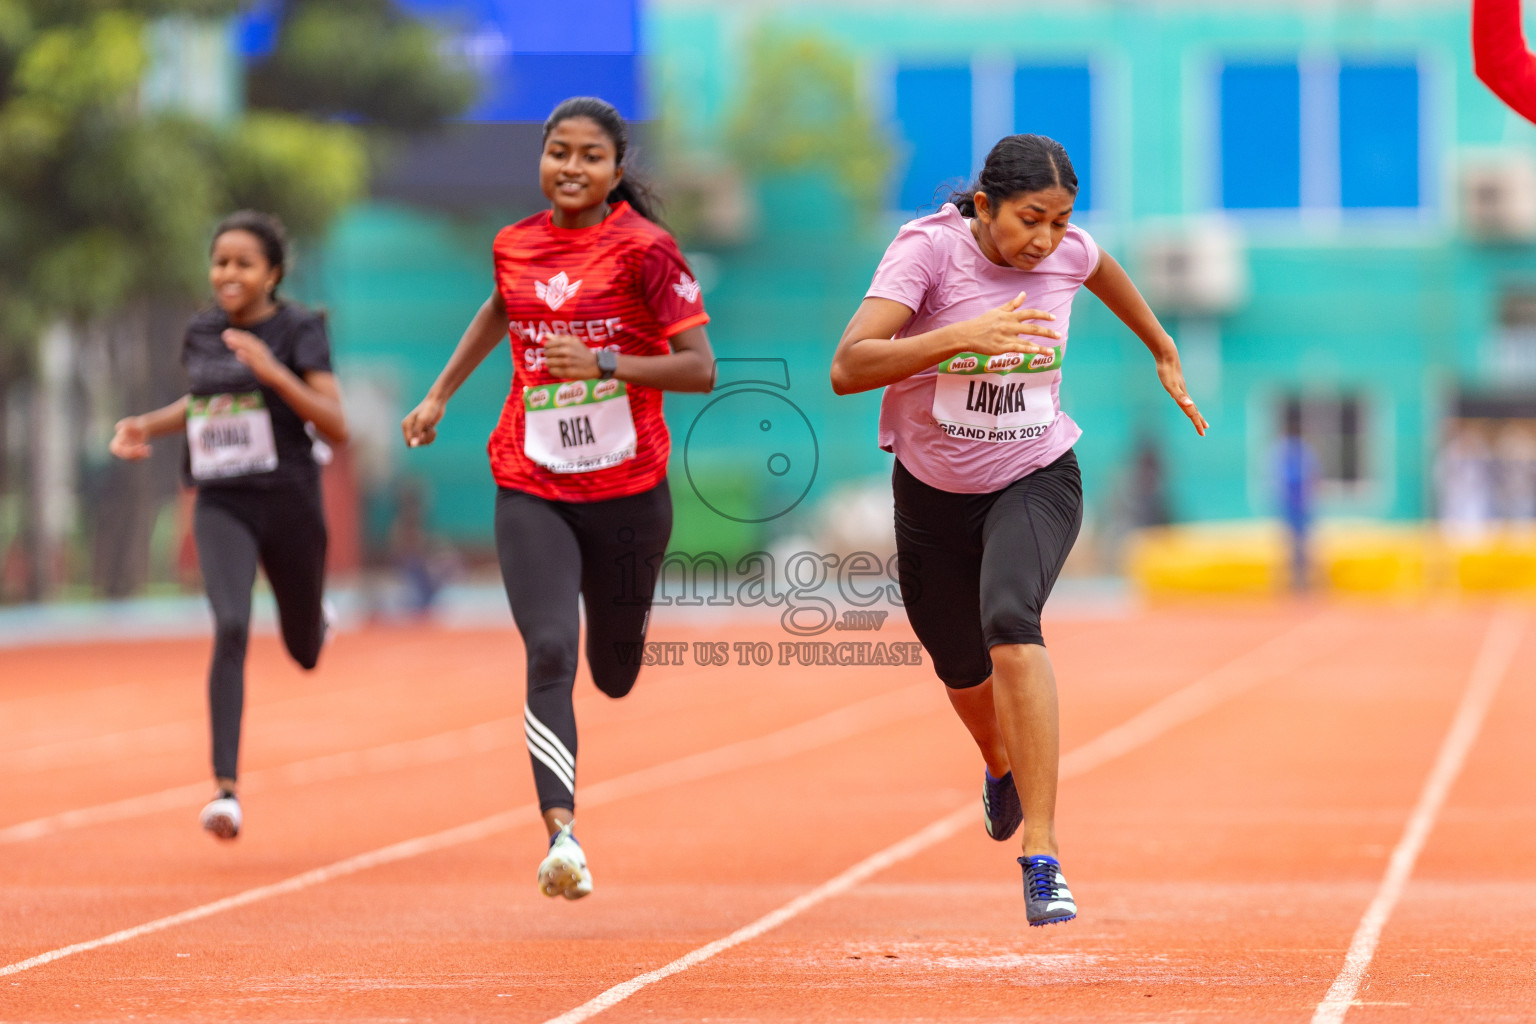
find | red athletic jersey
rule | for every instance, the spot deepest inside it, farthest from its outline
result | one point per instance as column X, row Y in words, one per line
column 621, row 285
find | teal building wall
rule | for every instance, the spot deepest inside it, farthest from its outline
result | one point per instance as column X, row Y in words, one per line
column 1398, row 306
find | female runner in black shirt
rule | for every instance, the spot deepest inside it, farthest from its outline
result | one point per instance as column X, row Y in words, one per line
column 259, row 370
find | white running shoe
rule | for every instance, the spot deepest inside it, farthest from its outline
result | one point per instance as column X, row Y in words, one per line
column 221, row 816
column 327, row 620
column 564, row 871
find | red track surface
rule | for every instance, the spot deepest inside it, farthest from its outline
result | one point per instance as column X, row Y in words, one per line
column 1221, row 865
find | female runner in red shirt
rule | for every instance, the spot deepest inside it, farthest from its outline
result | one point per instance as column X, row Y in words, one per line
column 604, row 315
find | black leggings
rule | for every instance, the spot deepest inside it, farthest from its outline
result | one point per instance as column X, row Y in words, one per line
column 283, row 528
column 975, row 569
column 551, row 552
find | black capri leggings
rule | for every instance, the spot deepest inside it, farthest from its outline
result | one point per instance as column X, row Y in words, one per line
column 976, row 569
column 283, row 529
column 551, row 552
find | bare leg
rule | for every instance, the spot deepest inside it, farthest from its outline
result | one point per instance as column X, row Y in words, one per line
column 1024, row 693
column 557, row 818
column 974, row 705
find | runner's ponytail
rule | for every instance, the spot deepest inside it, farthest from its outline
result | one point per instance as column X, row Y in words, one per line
column 631, row 188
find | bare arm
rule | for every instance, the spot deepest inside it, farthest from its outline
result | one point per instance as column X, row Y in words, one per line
column 689, row 367
column 1114, row 287
column 870, row 356
column 131, row 436
column 314, row 397
column 482, row 335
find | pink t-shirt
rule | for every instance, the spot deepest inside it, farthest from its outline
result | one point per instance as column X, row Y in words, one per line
column 957, row 426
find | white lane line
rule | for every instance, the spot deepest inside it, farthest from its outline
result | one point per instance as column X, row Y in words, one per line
column 1282, row 655
column 861, row 717
column 1500, row 644
column 445, row 746
column 891, row 855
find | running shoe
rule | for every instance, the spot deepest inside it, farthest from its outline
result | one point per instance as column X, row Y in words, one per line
column 1047, row 900
column 327, row 620
column 1000, row 808
column 564, row 871
column 221, row 815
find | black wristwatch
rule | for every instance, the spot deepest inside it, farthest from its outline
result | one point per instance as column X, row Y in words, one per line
column 607, row 363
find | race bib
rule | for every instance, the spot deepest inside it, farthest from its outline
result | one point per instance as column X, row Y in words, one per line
column 995, row 398
column 578, row 426
column 230, row 435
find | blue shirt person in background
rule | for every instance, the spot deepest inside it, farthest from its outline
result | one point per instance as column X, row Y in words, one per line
column 1296, row 470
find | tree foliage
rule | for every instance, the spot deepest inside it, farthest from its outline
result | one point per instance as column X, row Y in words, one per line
column 802, row 109
column 103, row 198
column 360, row 59
column 109, row 188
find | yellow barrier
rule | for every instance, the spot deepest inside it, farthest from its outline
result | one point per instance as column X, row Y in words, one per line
column 1347, row 558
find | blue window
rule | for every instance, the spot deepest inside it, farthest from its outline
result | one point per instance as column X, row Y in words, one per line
column 1378, row 135
column 1260, row 136
column 933, row 112
column 1057, row 101
column 530, row 85
column 605, row 26
column 529, row 58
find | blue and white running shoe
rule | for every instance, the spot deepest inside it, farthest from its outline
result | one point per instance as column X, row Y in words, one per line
column 1000, row 808
column 564, row 871
column 1047, row 900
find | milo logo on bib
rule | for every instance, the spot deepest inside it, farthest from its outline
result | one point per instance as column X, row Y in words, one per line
column 1005, row 362
column 981, row 398
column 570, row 393
column 578, row 425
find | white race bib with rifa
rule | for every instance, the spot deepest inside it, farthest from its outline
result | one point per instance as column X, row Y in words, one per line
column 578, row 426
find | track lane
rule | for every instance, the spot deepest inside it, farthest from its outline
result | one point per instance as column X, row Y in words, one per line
column 1184, row 916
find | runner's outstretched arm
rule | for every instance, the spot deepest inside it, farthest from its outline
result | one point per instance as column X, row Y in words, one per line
column 1115, row 289
column 482, row 335
column 1500, row 57
column 131, row 436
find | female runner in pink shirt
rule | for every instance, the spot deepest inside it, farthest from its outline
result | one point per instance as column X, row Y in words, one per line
column 988, row 495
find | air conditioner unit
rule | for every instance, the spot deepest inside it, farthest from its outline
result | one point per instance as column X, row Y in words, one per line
column 1194, row 267
column 1498, row 197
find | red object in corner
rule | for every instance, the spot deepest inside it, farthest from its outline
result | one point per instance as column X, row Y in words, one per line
column 1500, row 57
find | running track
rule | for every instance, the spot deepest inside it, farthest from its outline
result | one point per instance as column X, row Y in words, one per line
column 1286, row 813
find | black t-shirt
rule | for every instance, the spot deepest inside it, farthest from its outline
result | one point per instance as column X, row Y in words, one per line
column 297, row 338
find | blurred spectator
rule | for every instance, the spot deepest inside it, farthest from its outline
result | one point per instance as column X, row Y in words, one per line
column 1148, row 495
column 1465, row 480
column 424, row 563
column 1514, row 449
column 1138, row 499
column 1296, row 471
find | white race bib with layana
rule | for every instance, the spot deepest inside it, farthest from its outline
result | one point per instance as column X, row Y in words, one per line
column 578, row 426
column 230, row 435
column 995, row 398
